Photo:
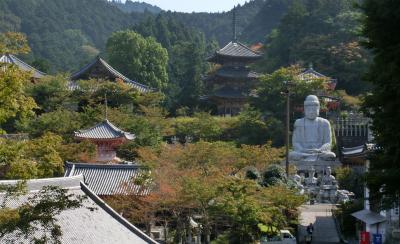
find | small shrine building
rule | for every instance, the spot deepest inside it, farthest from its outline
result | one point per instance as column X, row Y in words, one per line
column 107, row 137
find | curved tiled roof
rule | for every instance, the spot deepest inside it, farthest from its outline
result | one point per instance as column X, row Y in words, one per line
column 109, row 179
column 93, row 222
column 236, row 50
column 104, row 130
column 11, row 59
column 84, row 73
column 236, row 73
column 228, row 92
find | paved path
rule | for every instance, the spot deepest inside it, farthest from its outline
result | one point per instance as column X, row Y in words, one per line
column 324, row 224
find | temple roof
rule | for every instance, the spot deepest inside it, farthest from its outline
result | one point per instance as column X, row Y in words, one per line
column 108, row 179
column 93, row 222
column 104, row 130
column 11, row 59
column 235, row 50
column 359, row 151
column 109, row 72
column 233, row 72
column 228, row 92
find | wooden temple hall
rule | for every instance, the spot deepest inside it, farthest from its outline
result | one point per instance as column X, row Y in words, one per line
column 230, row 86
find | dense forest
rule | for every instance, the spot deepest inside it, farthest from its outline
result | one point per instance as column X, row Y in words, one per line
column 319, row 32
column 140, row 7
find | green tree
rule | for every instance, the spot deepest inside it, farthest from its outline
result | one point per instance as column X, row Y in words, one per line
column 141, row 59
column 15, row 103
column 381, row 18
column 36, row 218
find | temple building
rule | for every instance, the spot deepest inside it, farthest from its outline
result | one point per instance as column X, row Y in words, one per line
column 311, row 74
column 92, row 222
column 101, row 70
column 110, row 179
column 107, row 137
column 231, row 84
column 11, row 59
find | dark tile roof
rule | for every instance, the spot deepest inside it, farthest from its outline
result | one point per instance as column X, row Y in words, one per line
column 11, row 59
column 236, row 73
column 103, row 130
column 228, row 92
column 99, row 63
column 359, row 151
column 236, row 50
column 94, row 222
column 108, row 179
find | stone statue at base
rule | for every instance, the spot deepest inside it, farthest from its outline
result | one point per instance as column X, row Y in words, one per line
column 311, row 180
column 312, row 135
column 328, row 179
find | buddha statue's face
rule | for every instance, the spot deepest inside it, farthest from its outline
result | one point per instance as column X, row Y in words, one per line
column 311, row 111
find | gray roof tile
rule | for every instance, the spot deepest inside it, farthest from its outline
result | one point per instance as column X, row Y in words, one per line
column 104, row 130
column 11, row 59
column 84, row 73
column 235, row 50
column 108, row 179
column 93, row 223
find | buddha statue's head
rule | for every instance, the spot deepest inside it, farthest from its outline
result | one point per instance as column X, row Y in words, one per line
column 311, row 107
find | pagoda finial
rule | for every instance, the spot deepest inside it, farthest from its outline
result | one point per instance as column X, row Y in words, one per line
column 311, row 66
column 106, row 105
column 234, row 25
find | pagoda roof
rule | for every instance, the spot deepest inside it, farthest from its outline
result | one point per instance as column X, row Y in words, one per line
column 108, row 179
column 93, row 222
column 233, row 72
column 235, row 50
column 11, row 59
column 229, row 93
column 104, row 130
column 110, row 73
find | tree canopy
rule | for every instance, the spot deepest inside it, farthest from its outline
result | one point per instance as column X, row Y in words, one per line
column 141, row 59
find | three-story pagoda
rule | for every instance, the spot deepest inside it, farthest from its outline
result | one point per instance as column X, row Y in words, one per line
column 231, row 84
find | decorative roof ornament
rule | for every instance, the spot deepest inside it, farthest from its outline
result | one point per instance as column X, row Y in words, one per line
column 234, row 25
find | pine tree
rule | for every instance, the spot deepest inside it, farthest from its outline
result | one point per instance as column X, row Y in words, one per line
column 381, row 26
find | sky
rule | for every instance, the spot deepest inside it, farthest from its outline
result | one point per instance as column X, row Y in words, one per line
column 195, row 5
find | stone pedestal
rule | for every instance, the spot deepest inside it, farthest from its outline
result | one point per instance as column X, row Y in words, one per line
column 319, row 165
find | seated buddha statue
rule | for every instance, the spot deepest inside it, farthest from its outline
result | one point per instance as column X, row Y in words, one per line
column 312, row 135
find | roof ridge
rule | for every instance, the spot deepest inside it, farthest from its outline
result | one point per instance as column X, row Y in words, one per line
column 115, row 215
column 16, row 60
column 38, row 184
column 105, row 166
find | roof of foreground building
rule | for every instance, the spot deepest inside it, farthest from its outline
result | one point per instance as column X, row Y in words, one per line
column 93, row 222
column 109, row 179
column 104, row 130
column 11, row 59
column 99, row 68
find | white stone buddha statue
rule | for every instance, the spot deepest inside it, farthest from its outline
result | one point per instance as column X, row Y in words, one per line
column 312, row 135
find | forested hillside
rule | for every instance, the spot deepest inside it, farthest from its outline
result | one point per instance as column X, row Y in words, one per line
column 63, row 34
column 324, row 33
column 139, row 7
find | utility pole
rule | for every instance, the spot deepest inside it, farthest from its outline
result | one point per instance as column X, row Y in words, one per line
column 287, row 93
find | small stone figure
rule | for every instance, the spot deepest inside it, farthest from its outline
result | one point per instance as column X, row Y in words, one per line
column 297, row 179
column 311, row 180
column 328, row 179
column 312, row 134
